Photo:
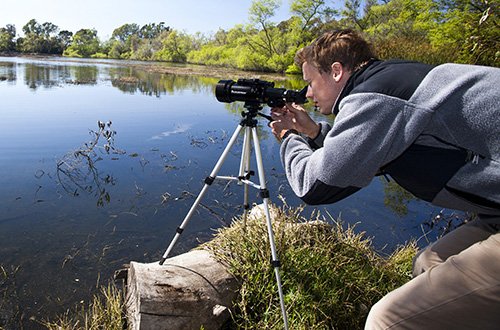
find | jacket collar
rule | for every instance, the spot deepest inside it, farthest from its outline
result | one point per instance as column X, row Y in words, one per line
column 352, row 82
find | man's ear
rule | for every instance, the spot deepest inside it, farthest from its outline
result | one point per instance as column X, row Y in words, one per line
column 337, row 71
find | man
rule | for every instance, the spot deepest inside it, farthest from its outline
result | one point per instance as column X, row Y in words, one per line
column 435, row 131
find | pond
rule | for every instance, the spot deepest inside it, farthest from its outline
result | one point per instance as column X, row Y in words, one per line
column 69, row 220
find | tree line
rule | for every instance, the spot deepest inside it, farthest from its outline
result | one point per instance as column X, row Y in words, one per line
column 431, row 31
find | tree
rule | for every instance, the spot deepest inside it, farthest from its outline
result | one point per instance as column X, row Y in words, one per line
column 115, row 48
column 263, row 45
column 220, row 37
column 120, row 43
column 85, row 43
column 434, row 31
column 7, row 35
column 226, row 48
column 134, row 42
column 408, row 18
column 48, row 29
column 124, row 32
column 65, row 37
column 33, row 39
column 472, row 26
column 153, row 30
column 42, row 38
column 311, row 12
column 260, row 13
column 32, row 27
column 176, row 46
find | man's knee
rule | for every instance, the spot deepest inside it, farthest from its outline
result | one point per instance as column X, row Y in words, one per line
column 424, row 260
column 378, row 318
column 453, row 243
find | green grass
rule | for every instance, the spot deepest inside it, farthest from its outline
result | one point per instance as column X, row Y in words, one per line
column 331, row 276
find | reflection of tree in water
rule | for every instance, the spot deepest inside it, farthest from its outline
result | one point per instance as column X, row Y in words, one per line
column 84, row 75
column 36, row 75
column 8, row 72
column 131, row 80
column 47, row 76
column 77, row 171
column 397, row 199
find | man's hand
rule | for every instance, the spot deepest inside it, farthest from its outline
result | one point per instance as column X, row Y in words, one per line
column 292, row 116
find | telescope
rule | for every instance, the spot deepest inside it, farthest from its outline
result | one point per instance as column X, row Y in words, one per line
column 257, row 91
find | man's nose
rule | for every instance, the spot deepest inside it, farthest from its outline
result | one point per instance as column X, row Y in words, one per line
column 309, row 93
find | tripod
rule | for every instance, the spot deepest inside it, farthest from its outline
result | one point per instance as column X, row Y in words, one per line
column 249, row 123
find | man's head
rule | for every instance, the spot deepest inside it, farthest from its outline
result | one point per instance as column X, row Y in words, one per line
column 328, row 62
column 344, row 46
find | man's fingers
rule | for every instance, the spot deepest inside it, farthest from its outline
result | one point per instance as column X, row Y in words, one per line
column 278, row 110
column 294, row 108
column 274, row 127
column 276, row 115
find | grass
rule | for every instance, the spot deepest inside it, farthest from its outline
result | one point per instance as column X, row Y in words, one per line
column 106, row 311
column 331, row 276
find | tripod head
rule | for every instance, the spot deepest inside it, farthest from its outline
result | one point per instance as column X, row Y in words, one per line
column 252, row 109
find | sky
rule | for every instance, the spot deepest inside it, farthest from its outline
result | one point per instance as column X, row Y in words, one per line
column 191, row 16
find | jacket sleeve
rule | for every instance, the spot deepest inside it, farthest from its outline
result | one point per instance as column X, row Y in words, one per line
column 370, row 130
column 317, row 142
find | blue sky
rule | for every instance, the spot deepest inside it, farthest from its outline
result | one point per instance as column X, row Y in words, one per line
column 191, row 16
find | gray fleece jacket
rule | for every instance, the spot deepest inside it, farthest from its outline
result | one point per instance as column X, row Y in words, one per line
column 435, row 130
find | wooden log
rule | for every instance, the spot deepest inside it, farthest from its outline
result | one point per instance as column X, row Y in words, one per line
column 188, row 291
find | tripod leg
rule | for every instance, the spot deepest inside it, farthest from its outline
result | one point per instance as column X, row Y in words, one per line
column 265, row 197
column 244, row 170
column 208, row 182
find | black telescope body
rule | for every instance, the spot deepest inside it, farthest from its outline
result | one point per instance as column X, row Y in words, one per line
column 257, row 91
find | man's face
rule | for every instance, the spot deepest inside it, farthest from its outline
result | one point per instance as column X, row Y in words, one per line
column 323, row 88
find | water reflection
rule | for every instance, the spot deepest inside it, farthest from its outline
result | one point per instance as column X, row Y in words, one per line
column 84, row 75
column 7, row 71
column 78, row 172
column 36, row 75
column 396, row 198
column 440, row 223
column 131, row 80
column 128, row 79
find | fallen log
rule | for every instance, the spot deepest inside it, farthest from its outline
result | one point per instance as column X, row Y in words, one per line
column 189, row 291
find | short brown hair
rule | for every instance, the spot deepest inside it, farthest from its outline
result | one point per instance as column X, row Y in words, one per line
column 345, row 46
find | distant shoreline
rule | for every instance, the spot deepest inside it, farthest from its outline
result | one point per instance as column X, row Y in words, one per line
column 163, row 67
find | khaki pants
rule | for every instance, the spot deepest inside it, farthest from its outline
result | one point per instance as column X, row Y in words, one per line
column 456, row 285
